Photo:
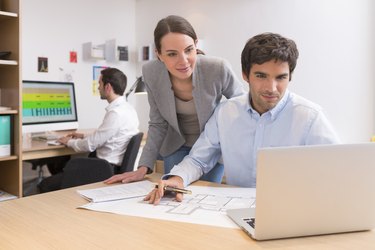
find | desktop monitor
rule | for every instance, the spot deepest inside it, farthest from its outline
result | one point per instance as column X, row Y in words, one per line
column 48, row 106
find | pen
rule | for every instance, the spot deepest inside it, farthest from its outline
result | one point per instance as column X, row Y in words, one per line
column 177, row 190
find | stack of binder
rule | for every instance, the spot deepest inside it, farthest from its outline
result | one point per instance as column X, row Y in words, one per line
column 5, row 135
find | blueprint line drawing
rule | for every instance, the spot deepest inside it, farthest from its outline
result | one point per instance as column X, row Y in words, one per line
column 206, row 205
column 206, row 202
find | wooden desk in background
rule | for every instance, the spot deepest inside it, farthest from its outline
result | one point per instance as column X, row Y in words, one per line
column 52, row 221
column 40, row 149
column 34, row 149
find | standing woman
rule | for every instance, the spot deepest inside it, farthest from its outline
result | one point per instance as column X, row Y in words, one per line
column 184, row 87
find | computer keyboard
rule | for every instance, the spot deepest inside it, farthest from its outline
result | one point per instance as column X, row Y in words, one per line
column 46, row 137
column 53, row 143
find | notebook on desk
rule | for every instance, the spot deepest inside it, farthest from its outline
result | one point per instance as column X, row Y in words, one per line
column 311, row 190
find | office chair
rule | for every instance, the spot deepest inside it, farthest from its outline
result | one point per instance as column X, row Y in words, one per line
column 80, row 171
column 130, row 155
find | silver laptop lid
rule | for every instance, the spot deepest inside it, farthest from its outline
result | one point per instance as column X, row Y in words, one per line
column 314, row 190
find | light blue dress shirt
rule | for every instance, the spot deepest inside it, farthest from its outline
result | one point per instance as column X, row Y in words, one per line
column 236, row 131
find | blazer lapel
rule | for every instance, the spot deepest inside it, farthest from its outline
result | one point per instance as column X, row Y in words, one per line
column 166, row 100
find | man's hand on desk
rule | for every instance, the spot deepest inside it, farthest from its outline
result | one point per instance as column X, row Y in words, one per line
column 75, row 135
column 127, row 177
column 64, row 140
column 157, row 193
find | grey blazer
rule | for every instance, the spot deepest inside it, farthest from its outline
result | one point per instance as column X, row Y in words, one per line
column 212, row 79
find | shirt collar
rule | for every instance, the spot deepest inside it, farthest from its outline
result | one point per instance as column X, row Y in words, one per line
column 119, row 100
column 273, row 113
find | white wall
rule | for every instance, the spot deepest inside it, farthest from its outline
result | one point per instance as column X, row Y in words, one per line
column 335, row 39
column 53, row 28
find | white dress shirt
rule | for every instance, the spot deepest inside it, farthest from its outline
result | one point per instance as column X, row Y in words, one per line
column 237, row 131
column 110, row 140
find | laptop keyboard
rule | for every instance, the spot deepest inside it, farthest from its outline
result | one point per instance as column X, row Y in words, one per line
column 250, row 221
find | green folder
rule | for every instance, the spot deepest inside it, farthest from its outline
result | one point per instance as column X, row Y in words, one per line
column 4, row 135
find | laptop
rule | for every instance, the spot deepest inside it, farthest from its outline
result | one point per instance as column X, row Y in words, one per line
column 311, row 190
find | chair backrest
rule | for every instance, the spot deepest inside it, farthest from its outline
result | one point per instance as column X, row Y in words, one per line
column 130, row 154
column 80, row 171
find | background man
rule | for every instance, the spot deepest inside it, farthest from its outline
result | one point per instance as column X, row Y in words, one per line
column 111, row 138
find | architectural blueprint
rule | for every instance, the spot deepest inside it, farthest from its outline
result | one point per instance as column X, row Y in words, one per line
column 206, row 205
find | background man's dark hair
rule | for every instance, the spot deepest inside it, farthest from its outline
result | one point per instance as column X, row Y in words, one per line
column 116, row 78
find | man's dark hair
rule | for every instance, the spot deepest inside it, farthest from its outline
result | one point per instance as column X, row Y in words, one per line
column 116, row 78
column 266, row 47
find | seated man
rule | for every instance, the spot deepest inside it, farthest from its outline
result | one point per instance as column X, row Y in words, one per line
column 269, row 116
column 110, row 140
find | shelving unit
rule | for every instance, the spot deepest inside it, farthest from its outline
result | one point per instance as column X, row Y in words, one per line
column 10, row 95
column 108, row 51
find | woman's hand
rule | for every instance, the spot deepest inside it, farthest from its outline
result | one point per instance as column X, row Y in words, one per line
column 127, row 177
